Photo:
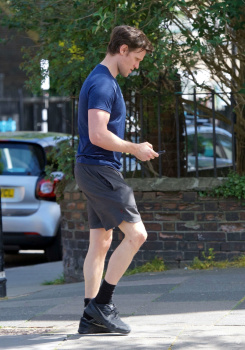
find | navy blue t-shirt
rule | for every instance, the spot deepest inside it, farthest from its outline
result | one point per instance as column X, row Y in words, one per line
column 100, row 91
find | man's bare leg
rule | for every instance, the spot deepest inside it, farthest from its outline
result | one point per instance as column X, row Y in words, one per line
column 101, row 309
column 100, row 241
column 135, row 236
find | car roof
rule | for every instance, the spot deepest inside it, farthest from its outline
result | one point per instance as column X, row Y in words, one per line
column 207, row 129
column 41, row 138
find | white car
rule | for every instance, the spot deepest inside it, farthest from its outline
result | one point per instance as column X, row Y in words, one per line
column 30, row 215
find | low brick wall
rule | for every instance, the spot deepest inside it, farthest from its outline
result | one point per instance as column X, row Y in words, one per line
column 180, row 223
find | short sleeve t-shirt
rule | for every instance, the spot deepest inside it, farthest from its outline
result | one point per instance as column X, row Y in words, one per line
column 100, row 91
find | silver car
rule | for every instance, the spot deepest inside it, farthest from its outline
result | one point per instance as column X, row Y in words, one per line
column 205, row 148
column 30, row 215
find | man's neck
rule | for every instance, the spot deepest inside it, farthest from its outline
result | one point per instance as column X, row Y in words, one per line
column 111, row 63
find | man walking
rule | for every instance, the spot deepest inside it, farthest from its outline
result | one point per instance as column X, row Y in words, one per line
column 110, row 201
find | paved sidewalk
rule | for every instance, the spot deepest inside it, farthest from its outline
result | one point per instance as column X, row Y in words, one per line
column 172, row 310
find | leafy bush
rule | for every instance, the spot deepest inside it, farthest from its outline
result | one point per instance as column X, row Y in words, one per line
column 234, row 186
column 62, row 158
column 209, row 262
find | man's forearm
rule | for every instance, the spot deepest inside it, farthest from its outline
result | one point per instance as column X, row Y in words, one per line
column 111, row 142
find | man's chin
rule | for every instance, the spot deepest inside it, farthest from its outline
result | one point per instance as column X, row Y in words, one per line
column 124, row 75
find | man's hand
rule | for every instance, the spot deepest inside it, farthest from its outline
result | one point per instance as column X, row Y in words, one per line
column 100, row 136
column 144, row 151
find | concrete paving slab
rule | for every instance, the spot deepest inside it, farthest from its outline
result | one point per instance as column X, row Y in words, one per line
column 115, row 342
column 151, row 280
column 214, row 281
column 214, row 338
column 234, row 318
column 32, row 342
column 154, row 336
column 145, row 289
column 241, row 305
column 127, row 308
column 189, row 313
column 202, row 296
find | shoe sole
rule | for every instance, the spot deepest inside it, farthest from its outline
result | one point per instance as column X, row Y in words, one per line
column 97, row 315
column 92, row 328
column 98, row 330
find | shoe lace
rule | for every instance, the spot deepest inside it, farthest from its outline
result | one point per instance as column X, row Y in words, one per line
column 114, row 310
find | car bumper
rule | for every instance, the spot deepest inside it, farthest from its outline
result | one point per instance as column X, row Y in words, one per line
column 44, row 222
column 13, row 241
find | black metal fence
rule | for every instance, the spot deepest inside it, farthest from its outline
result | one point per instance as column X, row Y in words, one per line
column 26, row 113
column 197, row 137
column 212, row 121
column 204, row 137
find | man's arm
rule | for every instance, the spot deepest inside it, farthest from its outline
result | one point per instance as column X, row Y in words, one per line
column 99, row 135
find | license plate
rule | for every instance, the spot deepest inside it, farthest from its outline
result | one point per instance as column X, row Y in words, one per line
column 7, row 192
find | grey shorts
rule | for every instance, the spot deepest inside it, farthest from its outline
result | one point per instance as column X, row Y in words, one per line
column 109, row 199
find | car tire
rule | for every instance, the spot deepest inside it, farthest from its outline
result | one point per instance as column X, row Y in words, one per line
column 54, row 251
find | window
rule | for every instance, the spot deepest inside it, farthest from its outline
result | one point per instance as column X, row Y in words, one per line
column 21, row 159
column 205, row 146
column 226, row 144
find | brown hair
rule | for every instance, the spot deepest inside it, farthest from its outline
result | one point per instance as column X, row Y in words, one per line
column 131, row 36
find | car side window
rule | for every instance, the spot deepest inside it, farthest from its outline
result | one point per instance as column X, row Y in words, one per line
column 209, row 150
column 226, row 143
column 205, row 146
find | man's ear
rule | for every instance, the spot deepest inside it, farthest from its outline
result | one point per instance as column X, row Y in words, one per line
column 123, row 49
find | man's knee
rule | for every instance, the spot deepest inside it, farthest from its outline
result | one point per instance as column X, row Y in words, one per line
column 141, row 237
column 135, row 232
column 137, row 238
column 144, row 236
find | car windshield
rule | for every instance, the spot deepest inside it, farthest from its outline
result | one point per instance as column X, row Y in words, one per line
column 21, row 159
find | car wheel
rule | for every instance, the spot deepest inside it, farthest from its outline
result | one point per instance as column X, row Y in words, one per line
column 54, row 251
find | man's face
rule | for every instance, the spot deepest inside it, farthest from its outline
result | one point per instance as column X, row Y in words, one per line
column 129, row 60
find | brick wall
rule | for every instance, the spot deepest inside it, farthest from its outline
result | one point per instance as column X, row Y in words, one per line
column 180, row 224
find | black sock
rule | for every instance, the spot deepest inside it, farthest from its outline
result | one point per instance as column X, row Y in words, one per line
column 105, row 293
column 86, row 301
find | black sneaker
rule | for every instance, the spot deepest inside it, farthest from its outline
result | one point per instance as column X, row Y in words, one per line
column 91, row 327
column 107, row 314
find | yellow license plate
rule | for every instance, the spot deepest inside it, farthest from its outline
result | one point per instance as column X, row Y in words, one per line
column 7, row 192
